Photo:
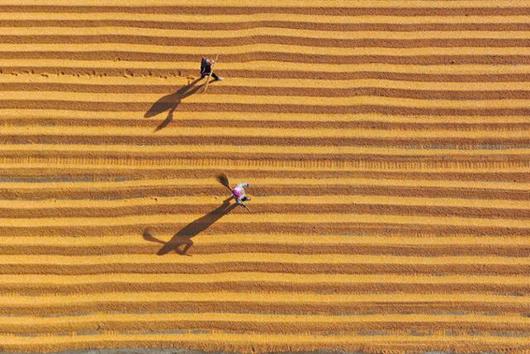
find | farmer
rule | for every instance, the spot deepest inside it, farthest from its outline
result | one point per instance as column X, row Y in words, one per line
column 206, row 68
column 239, row 193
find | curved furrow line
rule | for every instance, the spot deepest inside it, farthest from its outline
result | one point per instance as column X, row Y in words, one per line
column 252, row 307
column 465, row 143
column 250, row 117
column 207, row 18
column 235, row 33
column 83, row 179
column 168, row 85
column 292, row 268
column 266, row 278
column 493, row 161
column 386, row 109
column 199, row 203
column 125, row 164
column 235, row 10
column 349, row 229
column 106, row 71
column 272, row 327
column 265, row 298
column 243, row 51
column 136, row 39
column 489, row 154
column 246, row 342
column 88, row 180
column 239, row 56
column 258, row 24
column 259, row 4
column 215, row 242
column 268, row 319
column 36, row 175
column 153, row 104
column 257, row 15
column 146, row 248
column 273, row 91
column 155, row 59
column 241, row 259
column 210, row 241
column 232, row 123
column 354, row 208
column 173, row 190
column 279, row 218
column 254, row 134
column 244, row 287
column 480, row 150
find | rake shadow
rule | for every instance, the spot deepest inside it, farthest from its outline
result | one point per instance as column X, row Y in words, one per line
column 171, row 102
column 183, row 237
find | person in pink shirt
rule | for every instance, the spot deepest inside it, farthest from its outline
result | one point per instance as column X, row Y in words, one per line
column 239, row 193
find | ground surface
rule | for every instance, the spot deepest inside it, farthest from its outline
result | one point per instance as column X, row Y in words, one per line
column 387, row 143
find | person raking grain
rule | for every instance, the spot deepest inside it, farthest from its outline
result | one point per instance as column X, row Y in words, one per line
column 206, row 69
column 238, row 192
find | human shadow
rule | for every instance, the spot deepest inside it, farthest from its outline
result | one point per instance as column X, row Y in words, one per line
column 183, row 237
column 171, row 102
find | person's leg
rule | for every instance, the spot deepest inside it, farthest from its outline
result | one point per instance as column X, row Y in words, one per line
column 215, row 77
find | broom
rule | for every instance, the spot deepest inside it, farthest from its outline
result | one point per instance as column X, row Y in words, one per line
column 223, row 179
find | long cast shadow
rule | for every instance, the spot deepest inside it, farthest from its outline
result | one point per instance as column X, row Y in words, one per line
column 171, row 102
column 183, row 237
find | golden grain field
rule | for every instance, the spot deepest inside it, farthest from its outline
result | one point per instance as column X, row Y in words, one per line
column 387, row 144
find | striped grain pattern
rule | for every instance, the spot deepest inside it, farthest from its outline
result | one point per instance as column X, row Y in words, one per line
column 387, row 144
